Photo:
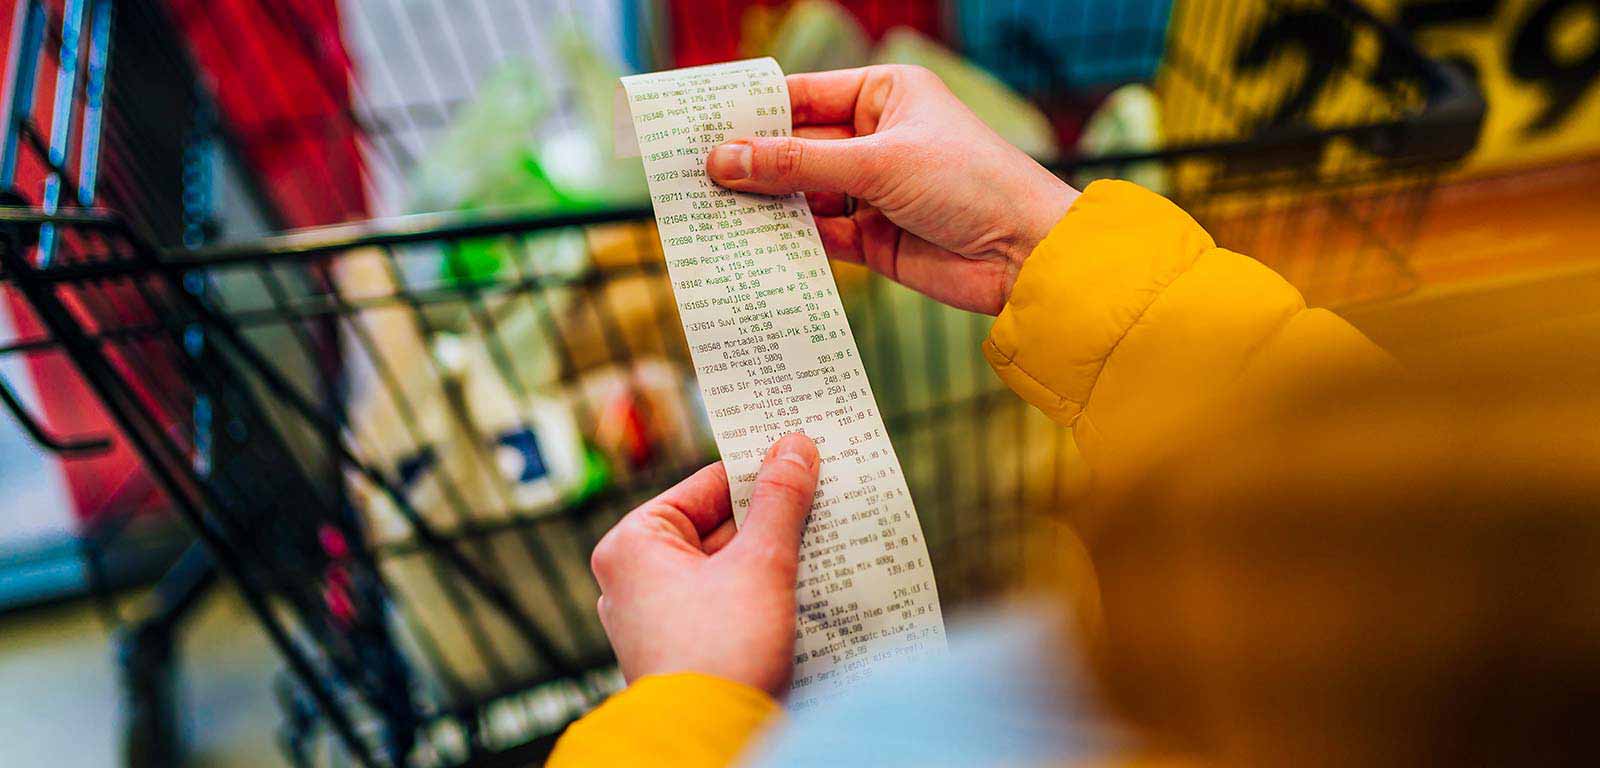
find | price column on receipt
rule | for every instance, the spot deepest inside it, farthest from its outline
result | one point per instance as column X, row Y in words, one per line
column 774, row 355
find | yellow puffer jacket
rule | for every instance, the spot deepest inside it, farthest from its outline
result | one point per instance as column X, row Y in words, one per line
column 1125, row 320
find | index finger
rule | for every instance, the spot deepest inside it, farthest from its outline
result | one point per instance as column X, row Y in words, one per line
column 702, row 498
column 825, row 98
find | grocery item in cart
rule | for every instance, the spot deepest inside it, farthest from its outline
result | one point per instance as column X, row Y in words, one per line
column 426, row 403
column 511, row 462
column 530, row 142
column 647, row 414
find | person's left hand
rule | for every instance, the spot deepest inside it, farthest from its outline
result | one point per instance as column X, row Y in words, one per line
column 682, row 592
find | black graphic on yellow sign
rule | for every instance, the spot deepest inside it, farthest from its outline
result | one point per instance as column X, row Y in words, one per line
column 1536, row 62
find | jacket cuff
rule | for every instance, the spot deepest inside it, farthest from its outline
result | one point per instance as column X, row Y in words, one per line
column 1083, row 287
column 685, row 719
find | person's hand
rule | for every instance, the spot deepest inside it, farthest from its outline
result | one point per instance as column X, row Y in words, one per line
column 681, row 592
column 944, row 205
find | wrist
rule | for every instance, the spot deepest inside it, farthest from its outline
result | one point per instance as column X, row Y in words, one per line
column 1043, row 211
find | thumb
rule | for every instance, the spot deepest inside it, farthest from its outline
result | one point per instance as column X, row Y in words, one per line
column 781, row 500
column 777, row 166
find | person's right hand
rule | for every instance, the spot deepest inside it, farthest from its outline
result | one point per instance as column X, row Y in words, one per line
column 945, row 206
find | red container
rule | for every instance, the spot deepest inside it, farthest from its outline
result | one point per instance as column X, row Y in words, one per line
column 278, row 71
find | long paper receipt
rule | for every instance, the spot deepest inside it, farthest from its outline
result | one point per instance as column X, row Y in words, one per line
column 774, row 355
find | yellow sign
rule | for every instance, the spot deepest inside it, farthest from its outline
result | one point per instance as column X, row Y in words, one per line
column 1240, row 69
column 1536, row 61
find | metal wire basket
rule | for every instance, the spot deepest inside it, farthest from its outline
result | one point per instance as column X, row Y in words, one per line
column 400, row 438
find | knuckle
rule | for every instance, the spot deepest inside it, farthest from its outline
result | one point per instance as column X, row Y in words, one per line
column 603, row 560
column 923, row 81
column 787, row 158
column 785, row 487
column 915, row 73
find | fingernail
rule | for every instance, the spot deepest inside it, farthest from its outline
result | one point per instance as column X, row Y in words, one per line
column 795, row 449
column 730, row 162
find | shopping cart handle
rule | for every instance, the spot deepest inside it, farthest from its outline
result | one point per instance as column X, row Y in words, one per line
column 67, row 446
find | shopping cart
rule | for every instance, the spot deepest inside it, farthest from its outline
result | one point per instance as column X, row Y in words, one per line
column 399, row 438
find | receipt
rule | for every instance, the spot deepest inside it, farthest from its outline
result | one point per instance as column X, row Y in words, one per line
column 775, row 355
